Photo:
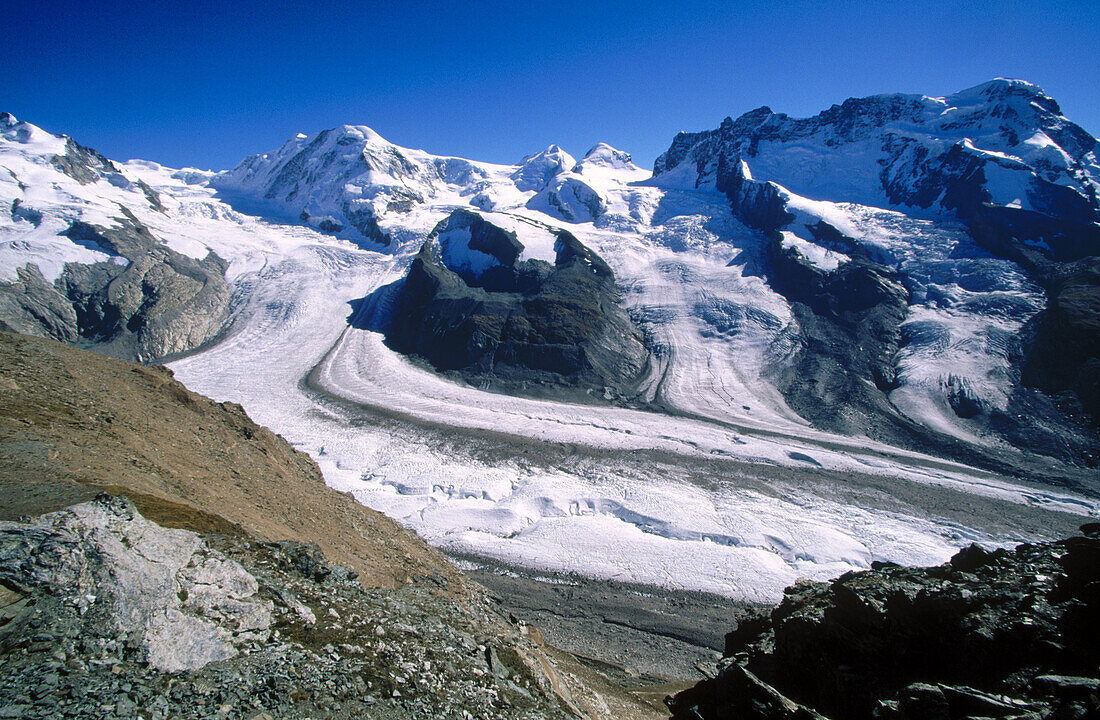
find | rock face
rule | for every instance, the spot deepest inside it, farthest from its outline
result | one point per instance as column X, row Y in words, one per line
column 125, row 292
column 989, row 634
column 147, row 303
column 163, row 590
column 1062, row 343
column 101, row 610
column 850, row 322
column 479, row 302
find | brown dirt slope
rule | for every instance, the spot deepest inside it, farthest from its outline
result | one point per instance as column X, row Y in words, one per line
column 74, row 423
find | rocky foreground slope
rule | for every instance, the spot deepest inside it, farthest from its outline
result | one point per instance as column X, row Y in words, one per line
column 1005, row 634
column 204, row 582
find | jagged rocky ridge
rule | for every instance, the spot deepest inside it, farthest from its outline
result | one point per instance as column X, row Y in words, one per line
column 473, row 303
column 1001, row 634
column 142, row 299
column 1001, row 158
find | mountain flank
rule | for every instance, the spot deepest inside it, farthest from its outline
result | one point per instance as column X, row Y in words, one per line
column 74, row 424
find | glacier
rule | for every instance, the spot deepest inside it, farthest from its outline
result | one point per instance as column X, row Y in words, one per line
column 707, row 478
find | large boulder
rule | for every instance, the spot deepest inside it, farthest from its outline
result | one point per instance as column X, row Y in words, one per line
column 161, row 590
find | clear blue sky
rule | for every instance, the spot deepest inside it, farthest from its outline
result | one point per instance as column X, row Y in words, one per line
column 204, row 83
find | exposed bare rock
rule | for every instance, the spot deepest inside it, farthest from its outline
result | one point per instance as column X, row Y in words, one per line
column 989, row 634
column 517, row 322
column 185, row 604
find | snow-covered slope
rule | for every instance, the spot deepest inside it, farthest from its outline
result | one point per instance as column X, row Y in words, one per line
column 968, row 205
column 352, row 183
column 80, row 260
column 833, row 365
column 1004, row 142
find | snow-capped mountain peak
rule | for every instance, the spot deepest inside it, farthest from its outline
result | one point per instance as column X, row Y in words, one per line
column 1003, row 142
column 536, row 170
column 33, row 138
column 603, row 155
column 1000, row 89
column 343, row 180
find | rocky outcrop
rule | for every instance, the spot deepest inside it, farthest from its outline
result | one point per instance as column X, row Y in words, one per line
column 100, row 608
column 82, row 164
column 147, row 302
column 1062, row 343
column 849, row 332
column 470, row 305
column 163, row 593
column 989, row 634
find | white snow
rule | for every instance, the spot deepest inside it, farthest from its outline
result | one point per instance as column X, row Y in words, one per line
column 460, row 257
column 537, row 238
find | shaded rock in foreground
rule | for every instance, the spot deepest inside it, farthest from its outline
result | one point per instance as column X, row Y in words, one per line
column 989, row 634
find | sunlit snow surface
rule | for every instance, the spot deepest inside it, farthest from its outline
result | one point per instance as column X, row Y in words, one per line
column 729, row 492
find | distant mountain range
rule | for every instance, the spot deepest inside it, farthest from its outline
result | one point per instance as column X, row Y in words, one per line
column 935, row 256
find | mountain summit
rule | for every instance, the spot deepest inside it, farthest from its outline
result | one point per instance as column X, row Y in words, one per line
column 1004, row 142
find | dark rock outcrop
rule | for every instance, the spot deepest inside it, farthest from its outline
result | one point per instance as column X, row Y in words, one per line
column 989, row 634
column 517, row 323
column 81, row 163
column 849, row 321
column 1062, row 343
column 147, row 302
